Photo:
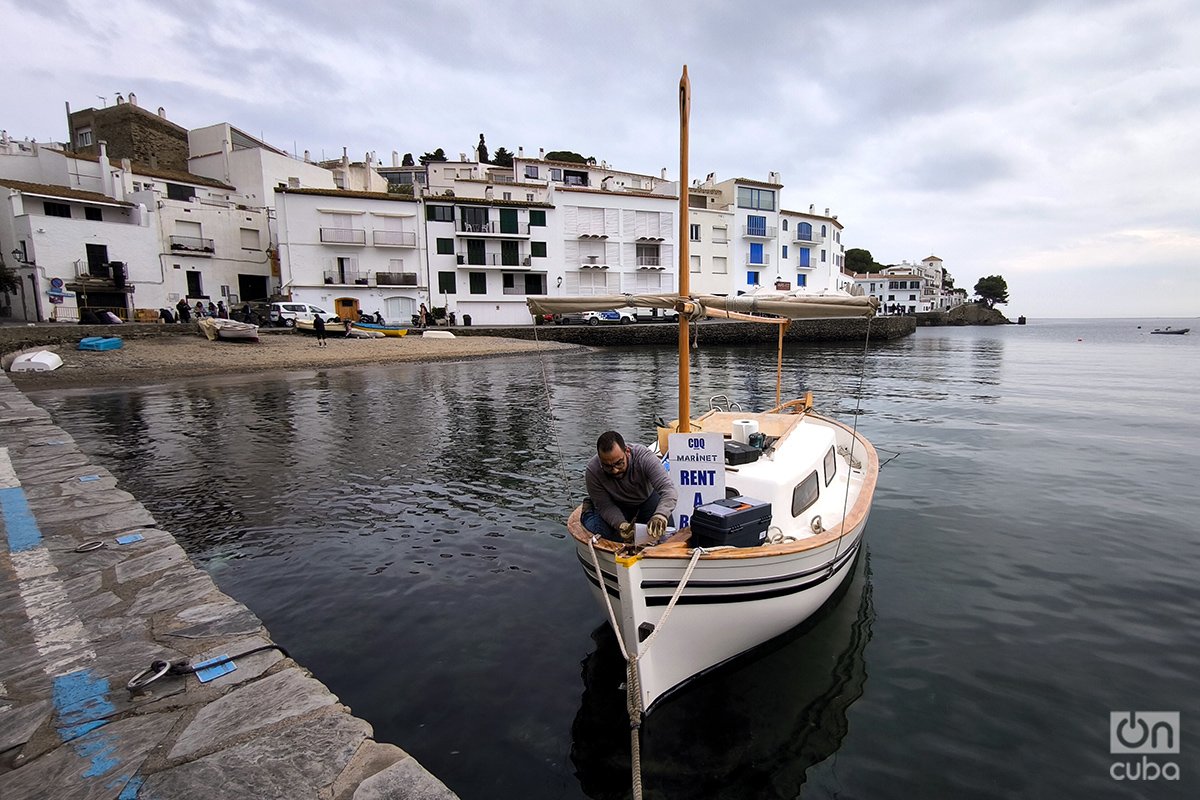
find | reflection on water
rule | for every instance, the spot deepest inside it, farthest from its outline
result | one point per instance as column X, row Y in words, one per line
column 751, row 729
column 399, row 530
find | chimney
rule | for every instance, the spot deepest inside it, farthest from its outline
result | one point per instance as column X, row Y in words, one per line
column 827, row 212
column 489, row 193
column 520, row 152
column 153, row 161
column 133, row 99
column 606, row 183
column 106, row 182
column 663, row 174
column 462, row 157
column 162, row 112
column 541, row 154
column 307, row 157
column 120, row 100
column 395, row 159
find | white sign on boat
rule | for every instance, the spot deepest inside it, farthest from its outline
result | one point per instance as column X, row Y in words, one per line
column 697, row 470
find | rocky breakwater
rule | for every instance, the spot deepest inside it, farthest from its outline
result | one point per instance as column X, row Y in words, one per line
column 965, row 314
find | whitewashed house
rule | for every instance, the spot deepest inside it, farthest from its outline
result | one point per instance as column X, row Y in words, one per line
column 352, row 252
column 72, row 248
column 710, row 226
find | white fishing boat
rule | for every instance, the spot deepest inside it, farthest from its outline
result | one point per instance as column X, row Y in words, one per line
column 228, row 330
column 680, row 610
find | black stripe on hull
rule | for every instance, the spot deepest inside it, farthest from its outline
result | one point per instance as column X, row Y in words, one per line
column 764, row 594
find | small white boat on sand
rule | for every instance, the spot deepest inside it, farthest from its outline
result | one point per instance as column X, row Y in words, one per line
column 41, row 361
column 228, row 330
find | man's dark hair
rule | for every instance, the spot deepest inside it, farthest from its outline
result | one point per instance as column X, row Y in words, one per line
column 607, row 440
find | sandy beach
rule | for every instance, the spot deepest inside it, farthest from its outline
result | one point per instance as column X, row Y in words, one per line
column 149, row 361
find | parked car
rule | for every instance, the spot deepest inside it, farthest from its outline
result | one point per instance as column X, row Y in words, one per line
column 543, row 319
column 287, row 313
column 624, row 316
column 658, row 315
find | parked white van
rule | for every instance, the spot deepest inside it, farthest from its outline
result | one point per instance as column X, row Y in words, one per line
column 287, row 313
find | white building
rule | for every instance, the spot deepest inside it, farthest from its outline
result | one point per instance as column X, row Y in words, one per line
column 710, row 226
column 486, row 255
column 911, row 288
column 71, row 248
column 352, row 252
column 256, row 169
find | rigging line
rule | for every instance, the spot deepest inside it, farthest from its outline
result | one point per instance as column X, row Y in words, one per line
column 862, row 373
column 562, row 467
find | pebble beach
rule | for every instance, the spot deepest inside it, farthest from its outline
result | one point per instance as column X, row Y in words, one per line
column 158, row 360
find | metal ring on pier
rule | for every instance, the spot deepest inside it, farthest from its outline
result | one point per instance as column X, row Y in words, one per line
column 88, row 547
column 156, row 670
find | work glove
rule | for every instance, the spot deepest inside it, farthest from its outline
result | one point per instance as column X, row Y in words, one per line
column 626, row 531
column 657, row 527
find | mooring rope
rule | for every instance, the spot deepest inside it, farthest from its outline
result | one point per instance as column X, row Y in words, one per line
column 633, row 679
column 853, row 440
column 562, row 467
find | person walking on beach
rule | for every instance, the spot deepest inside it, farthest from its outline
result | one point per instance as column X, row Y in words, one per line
column 319, row 330
column 423, row 317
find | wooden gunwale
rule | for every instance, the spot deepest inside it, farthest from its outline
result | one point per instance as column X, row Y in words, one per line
column 676, row 545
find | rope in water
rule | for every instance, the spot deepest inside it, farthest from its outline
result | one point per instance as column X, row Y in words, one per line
column 633, row 679
column 853, row 440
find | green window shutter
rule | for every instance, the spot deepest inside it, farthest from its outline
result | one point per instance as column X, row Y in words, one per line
column 537, row 217
column 445, row 247
column 537, row 249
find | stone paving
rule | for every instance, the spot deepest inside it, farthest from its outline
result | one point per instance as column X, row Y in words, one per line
column 75, row 626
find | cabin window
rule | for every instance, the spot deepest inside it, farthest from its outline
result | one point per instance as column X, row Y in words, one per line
column 830, row 465
column 805, row 494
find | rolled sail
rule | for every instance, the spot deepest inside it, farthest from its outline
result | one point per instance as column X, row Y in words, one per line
column 778, row 305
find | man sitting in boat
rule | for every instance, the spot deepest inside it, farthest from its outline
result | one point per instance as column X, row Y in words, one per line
column 626, row 484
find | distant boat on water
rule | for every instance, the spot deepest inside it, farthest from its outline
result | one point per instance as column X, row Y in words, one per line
column 1169, row 329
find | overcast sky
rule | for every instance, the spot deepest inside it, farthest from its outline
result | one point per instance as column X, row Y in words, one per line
column 1055, row 143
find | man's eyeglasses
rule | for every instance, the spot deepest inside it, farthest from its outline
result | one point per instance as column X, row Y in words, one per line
column 613, row 466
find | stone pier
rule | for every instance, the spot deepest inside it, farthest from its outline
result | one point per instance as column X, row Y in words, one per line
column 76, row 624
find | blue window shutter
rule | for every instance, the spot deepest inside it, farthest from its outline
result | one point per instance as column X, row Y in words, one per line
column 756, row 253
column 785, row 251
column 804, row 257
column 756, row 225
column 801, row 280
column 752, row 277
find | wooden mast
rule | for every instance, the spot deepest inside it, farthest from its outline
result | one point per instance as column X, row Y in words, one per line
column 685, row 110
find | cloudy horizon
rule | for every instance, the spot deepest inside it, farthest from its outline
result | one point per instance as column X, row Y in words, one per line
column 1049, row 142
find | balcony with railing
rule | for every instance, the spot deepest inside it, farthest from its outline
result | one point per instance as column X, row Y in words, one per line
column 758, row 231
column 192, row 244
column 347, row 278
column 649, row 262
column 395, row 279
column 495, row 260
column 809, row 237
column 764, row 260
column 394, row 238
column 493, row 229
column 343, row 236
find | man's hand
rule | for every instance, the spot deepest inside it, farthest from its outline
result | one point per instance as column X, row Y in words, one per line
column 626, row 531
column 657, row 527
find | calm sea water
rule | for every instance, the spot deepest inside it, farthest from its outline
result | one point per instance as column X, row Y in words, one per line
column 1031, row 562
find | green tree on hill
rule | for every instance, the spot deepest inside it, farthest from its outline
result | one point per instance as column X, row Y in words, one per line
column 567, row 155
column 860, row 260
column 992, row 289
column 436, row 155
column 502, row 157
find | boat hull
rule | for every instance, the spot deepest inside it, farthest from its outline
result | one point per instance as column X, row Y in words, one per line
column 727, row 607
column 386, row 330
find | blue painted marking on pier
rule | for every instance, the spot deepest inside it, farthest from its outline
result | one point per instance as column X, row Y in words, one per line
column 130, row 538
column 88, row 478
column 19, row 525
column 79, row 699
column 130, row 792
column 206, row 673
column 99, row 750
